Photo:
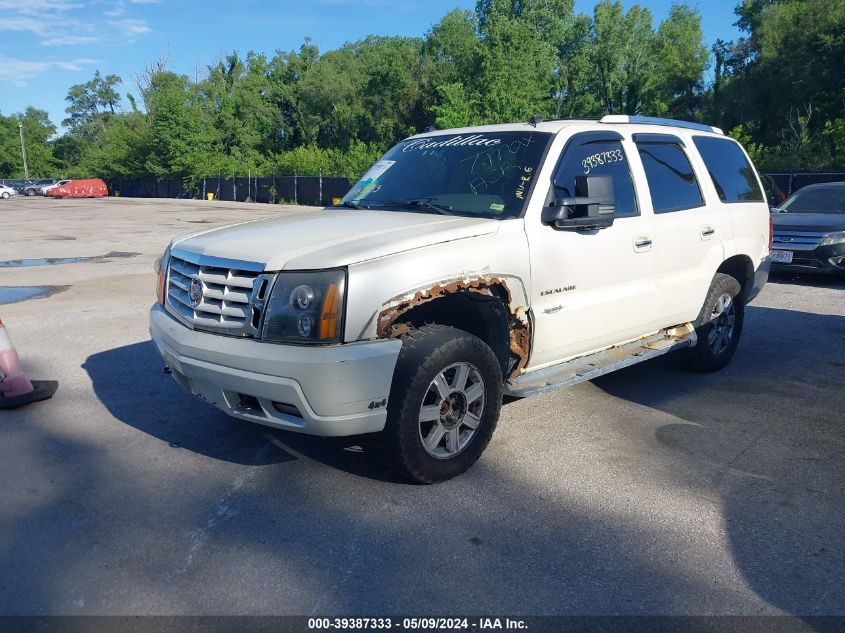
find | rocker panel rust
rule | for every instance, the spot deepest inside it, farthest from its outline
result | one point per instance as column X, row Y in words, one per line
column 389, row 323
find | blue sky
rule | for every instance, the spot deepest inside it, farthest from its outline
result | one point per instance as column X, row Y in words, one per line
column 48, row 45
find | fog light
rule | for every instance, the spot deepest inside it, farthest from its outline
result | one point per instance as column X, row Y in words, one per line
column 839, row 262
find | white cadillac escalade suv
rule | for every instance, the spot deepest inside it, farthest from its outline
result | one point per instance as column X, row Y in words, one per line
column 465, row 265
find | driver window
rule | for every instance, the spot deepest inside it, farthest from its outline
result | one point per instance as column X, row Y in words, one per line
column 596, row 158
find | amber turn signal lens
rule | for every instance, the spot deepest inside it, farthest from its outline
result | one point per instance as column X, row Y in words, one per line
column 160, row 287
column 330, row 314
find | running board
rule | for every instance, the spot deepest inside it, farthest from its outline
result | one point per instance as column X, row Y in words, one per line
column 585, row 368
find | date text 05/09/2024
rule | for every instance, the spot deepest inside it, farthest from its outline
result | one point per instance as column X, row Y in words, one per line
column 414, row 624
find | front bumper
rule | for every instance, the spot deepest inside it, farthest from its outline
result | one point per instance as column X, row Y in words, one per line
column 332, row 390
column 823, row 259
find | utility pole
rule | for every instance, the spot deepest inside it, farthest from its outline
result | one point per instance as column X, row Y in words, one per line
column 23, row 153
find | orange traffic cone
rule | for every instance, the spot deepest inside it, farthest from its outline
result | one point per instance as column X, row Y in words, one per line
column 16, row 389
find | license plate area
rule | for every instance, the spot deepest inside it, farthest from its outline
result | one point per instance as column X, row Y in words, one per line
column 781, row 257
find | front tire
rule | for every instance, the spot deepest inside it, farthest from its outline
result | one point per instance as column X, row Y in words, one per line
column 719, row 326
column 444, row 404
column 5, row 194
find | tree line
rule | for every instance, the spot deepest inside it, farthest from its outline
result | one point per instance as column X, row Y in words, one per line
column 779, row 88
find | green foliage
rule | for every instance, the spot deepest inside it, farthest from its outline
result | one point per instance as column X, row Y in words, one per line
column 834, row 134
column 456, row 107
column 759, row 154
column 516, row 70
column 310, row 160
column 37, row 129
column 780, row 89
column 623, row 55
column 178, row 141
column 91, row 104
column 683, row 59
column 786, row 80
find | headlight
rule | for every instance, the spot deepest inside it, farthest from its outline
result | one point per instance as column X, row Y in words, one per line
column 834, row 238
column 160, row 267
column 306, row 307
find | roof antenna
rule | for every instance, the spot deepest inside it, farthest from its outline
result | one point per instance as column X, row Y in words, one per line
column 430, row 128
column 536, row 120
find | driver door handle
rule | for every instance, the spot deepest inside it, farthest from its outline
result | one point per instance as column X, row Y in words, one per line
column 642, row 244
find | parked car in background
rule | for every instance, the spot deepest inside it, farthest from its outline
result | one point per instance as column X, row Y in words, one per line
column 7, row 192
column 15, row 184
column 80, row 188
column 809, row 230
column 774, row 195
column 33, row 187
column 47, row 188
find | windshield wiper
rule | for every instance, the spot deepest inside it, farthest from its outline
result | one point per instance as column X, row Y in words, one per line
column 421, row 203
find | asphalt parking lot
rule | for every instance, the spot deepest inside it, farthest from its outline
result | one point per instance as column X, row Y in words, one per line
column 648, row 491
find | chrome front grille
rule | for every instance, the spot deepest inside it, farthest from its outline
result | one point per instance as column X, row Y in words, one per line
column 796, row 240
column 226, row 293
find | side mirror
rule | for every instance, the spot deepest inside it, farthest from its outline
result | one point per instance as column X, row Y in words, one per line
column 592, row 211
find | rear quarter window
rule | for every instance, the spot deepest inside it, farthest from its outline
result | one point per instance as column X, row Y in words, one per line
column 671, row 179
column 731, row 173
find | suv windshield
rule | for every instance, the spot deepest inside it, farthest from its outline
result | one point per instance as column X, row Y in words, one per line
column 821, row 200
column 473, row 174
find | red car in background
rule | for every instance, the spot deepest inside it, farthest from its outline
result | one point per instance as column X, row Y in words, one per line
column 82, row 188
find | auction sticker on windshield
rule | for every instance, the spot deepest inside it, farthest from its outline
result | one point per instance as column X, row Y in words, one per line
column 368, row 181
column 378, row 169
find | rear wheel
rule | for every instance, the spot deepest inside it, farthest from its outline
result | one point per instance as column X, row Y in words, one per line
column 5, row 194
column 444, row 404
column 719, row 326
column 30, row 192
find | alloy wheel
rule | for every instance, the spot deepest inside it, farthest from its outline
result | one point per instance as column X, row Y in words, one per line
column 451, row 410
column 722, row 324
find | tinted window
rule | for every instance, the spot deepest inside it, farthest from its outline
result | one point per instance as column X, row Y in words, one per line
column 816, row 200
column 670, row 177
column 730, row 171
column 582, row 159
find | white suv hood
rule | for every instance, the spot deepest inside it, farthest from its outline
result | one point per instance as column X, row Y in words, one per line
column 327, row 239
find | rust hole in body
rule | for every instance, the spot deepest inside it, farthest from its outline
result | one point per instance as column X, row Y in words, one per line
column 389, row 324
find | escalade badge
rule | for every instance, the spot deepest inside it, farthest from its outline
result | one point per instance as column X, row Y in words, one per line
column 195, row 292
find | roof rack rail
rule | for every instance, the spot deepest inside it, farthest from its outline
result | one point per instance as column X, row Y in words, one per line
column 574, row 118
column 651, row 120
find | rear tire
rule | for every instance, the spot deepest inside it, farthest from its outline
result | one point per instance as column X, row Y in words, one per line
column 30, row 192
column 444, row 404
column 719, row 326
column 5, row 194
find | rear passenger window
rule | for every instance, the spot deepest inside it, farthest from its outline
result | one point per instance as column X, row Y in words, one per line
column 670, row 177
column 586, row 157
column 729, row 169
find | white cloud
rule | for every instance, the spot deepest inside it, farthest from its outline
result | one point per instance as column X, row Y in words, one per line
column 19, row 71
column 37, row 6
column 31, row 25
column 68, row 40
column 130, row 27
column 58, row 23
